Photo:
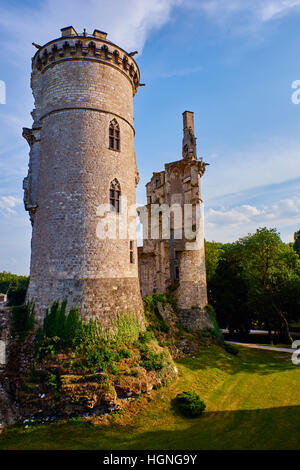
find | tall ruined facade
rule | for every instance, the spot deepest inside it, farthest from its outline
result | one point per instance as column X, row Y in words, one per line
column 82, row 160
column 173, row 254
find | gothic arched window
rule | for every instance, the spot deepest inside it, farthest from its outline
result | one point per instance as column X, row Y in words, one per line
column 114, row 135
column 115, row 195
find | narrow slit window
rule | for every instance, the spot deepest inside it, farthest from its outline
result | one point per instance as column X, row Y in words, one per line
column 131, row 248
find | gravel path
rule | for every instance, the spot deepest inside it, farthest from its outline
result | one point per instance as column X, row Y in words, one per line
column 269, row 348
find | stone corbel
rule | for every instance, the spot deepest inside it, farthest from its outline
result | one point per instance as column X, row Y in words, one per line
column 28, row 136
column 137, row 178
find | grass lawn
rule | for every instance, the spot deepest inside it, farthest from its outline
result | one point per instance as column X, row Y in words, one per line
column 253, row 402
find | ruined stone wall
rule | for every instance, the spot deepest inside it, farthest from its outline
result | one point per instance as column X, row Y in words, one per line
column 178, row 256
column 80, row 85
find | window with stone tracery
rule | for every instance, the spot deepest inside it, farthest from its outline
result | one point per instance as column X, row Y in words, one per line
column 114, row 135
column 115, row 196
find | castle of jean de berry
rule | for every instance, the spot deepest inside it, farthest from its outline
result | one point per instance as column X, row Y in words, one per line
column 83, row 174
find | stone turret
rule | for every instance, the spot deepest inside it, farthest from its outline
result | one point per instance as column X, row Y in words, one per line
column 82, row 165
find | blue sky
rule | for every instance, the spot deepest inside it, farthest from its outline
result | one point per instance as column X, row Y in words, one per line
column 232, row 62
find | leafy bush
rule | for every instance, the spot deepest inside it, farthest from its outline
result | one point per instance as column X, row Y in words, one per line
column 173, row 287
column 76, row 420
column 115, row 370
column 145, row 337
column 66, row 327
column 60, row 330
column 124, row 353
column 101, row 358
column 151, row 360
column 125, row 329
column 151, row 305
column 134, row 373
column 230, row 348
column 22, row 320
column 190, row 404
column 217, row 334
column 51, row 381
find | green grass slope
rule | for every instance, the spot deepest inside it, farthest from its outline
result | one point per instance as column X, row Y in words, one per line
column 253, row 402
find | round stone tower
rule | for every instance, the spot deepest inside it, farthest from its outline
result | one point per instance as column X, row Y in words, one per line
column 82, row 175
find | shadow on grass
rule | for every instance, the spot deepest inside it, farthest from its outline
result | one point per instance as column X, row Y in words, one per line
column 260, row 362
column 269, row 429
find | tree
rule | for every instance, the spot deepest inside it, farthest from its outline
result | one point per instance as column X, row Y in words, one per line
column 272, row 270
column 15, row 286
column 213, row 252
column 228, row 292
column 296, row 244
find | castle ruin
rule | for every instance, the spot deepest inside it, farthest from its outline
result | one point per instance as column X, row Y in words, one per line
column 172, row 255
column 83, row 174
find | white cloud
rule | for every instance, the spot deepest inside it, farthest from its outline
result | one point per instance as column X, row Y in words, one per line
column 8, row 204
column 127, row 23
column 268, row 162
column 228, row 224
column 261, row 10
column 235, row 216
column 271, row 9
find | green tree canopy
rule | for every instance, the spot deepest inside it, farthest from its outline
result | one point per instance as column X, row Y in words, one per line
column 14, row 286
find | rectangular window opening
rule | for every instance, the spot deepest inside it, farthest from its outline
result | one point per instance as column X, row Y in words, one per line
column 131, row 246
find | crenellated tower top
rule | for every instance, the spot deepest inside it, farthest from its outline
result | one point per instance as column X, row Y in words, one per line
column 93, row 47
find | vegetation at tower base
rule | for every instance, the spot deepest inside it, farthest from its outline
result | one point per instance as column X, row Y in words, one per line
column 22, row 320
column 163, row 322
column 79, row 368
column 255, row 283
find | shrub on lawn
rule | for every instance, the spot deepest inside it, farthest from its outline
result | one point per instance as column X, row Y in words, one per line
column 151, row 307
column 190, row 404
column 231, row 349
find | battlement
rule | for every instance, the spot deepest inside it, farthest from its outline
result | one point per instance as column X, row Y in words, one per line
column 93, row 47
